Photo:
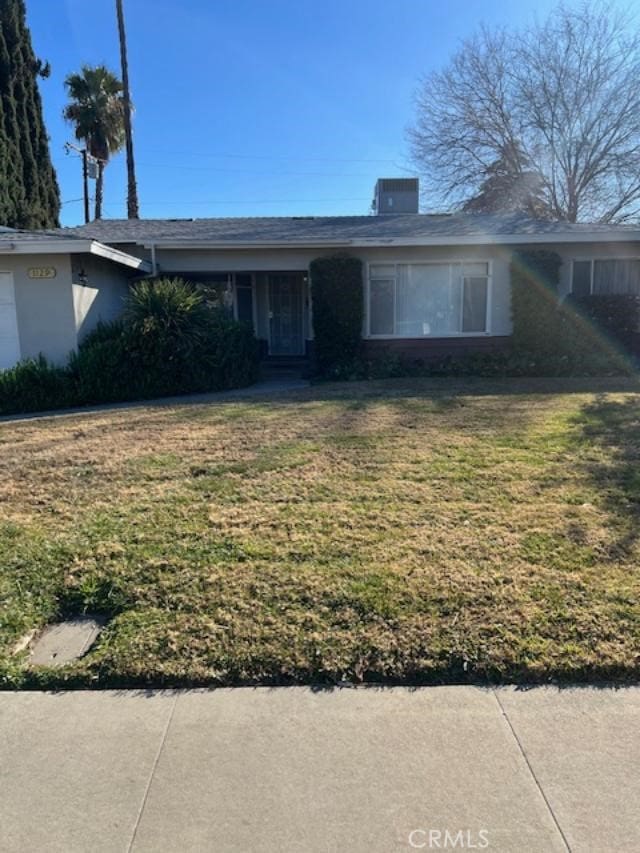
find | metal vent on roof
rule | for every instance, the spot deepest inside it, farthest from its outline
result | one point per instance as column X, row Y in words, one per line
column 398, row 185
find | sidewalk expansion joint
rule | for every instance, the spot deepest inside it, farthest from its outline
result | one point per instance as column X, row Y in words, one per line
column 153, row 772
column 531, row 771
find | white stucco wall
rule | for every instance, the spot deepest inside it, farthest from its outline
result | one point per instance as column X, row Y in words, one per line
column 54, row 314
column 102, row 297
column 290, row 260
column 298, row 259
column 44, row 307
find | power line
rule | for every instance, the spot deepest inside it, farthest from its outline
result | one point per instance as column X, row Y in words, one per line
column 260, row 172
column 242, row 201
column 271, row 157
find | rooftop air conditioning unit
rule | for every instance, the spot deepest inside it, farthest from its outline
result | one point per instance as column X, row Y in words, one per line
column 396, row 195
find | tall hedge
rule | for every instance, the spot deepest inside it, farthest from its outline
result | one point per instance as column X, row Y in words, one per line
column 615, row 316
column 535, row 276
column 29, row 195
column 338, row 311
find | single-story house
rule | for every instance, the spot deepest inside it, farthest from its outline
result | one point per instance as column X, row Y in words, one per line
column 433, row 283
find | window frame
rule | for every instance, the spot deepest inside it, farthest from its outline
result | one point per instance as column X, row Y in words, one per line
column 252, row 287
column 451, row 263
column 591, row 260
column 575, row 261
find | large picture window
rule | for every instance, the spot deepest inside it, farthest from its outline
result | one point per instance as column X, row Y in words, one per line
column 421, row 300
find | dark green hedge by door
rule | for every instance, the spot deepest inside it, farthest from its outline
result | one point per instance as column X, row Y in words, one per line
column 338, row 309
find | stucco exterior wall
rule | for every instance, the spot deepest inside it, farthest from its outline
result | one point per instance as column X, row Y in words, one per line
column 290, row 260
column 44, row 307
column 102, row 297
column 261, row 261
column 54, row 314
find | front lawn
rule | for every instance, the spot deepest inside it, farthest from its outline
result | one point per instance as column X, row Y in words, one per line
column 409, row 530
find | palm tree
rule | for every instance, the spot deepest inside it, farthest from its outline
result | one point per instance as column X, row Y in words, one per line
column 96, row 109
column 132, row 189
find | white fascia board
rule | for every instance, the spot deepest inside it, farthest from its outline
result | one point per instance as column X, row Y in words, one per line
column 119, row 257
column 45, row 247
column 73, row 247
column 261, row 244
column 362, row 242
column 506, row 239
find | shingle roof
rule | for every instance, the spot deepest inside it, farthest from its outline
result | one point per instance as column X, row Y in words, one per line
column 15, row 235
column 327, row 228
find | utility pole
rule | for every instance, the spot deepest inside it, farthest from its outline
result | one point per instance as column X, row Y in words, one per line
column 69, row 146
column 85, row 184
column 132, row 189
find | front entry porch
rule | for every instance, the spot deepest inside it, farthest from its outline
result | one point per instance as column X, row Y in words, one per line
column 275, row 303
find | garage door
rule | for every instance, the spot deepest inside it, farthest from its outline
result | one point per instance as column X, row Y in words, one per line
column 9, row 342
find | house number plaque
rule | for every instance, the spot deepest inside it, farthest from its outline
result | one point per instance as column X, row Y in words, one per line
column 42, row 272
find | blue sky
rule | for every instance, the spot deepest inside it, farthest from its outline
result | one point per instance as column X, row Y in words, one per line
column 253, row 108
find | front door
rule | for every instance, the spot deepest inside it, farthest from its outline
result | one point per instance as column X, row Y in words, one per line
column 285, row 314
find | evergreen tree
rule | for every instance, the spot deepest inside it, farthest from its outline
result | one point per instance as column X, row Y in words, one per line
column 510, row 185
column 29, row 195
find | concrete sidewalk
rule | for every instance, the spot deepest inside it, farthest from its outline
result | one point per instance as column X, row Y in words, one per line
column 267, row 387
column 290, row 769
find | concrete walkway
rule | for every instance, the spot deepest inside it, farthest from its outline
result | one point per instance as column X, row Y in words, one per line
column 269, row 386
column 290, row 769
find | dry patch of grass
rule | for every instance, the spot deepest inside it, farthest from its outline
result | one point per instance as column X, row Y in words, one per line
column 402, row 530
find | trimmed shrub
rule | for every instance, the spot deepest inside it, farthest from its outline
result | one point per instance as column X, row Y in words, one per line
column 169, row 342
column 35, row 385
column 231, row 358
column 616, row 316
column 338, row 306
column 177, row 344
column 502, row 363
column 104, row 369
column 535, row 312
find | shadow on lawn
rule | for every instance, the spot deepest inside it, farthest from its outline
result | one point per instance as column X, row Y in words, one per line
column 609, row 436
column 194, row 405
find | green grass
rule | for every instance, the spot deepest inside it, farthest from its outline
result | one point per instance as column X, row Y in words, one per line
column 402, row 531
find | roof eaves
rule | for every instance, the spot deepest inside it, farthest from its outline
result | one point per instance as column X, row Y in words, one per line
column 47, row 245
column 432, row 240
column 173, row 243
column 52, row 245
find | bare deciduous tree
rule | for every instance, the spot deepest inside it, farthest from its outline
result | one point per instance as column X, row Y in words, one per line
column 560, row 100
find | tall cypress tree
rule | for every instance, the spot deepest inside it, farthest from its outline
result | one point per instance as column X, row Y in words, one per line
column 29, row 195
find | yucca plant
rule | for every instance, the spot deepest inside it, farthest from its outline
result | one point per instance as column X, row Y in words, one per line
column 168, row 309
column 169, row 325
